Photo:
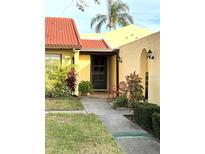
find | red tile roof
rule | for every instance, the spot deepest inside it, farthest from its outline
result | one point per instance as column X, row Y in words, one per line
column 61, row 33
column 93, row 44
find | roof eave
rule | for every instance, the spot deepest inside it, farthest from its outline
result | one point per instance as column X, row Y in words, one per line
column 63, row 47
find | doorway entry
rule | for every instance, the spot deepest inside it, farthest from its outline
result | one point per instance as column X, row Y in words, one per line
column 99, row 72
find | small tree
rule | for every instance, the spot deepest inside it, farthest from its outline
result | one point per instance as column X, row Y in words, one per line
column 134, row 88
column 71, row 80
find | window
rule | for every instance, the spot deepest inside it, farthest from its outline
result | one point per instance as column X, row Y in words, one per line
column 52, row 60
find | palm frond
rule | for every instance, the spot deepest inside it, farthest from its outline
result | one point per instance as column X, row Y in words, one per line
column 124, row 19
column 99, row 25
column 96, row 19
column 119, row 7
column 109, row 4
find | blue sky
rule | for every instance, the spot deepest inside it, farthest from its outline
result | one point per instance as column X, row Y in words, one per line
column 146, row 13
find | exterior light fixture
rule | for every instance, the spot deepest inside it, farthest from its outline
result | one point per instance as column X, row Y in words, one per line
column 119, row 59
column 150, row 55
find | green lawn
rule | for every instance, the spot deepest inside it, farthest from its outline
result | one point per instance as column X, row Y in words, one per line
column 78, row 134
column 63, row 104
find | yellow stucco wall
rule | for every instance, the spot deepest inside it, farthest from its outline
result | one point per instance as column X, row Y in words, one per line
column 84, row 67
column 131, row 57
column 112, row 71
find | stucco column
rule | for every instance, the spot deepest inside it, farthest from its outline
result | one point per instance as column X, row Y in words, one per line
column 76, row 62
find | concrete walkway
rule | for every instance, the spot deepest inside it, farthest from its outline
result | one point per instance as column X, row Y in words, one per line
column 131, row 138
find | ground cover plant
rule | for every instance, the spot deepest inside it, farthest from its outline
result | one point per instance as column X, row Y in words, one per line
column 78, row 133
column 63, row 104
column 120, row 101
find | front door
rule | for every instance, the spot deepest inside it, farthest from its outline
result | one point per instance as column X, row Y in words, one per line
column 99, row 72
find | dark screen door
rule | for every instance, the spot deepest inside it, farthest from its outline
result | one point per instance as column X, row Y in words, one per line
column 99, row 72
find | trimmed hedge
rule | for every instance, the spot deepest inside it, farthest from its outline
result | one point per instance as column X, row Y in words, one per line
column 143, row 114
column 156, row 124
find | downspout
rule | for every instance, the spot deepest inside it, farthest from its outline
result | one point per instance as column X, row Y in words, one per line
column 117, row 71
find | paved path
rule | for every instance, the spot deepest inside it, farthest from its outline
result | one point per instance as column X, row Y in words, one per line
column 128, row 135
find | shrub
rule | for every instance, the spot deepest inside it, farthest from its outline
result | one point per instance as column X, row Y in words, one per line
column 156, row 124
column 85, row 87
column 71, row 80
column 143, row 114
column 120, row 101
column 134, row 88
column 55, row 85
column 54, row 82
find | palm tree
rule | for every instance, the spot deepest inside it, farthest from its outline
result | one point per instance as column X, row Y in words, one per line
column 117, row 14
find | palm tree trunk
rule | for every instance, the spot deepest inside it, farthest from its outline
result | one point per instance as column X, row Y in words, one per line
column 110, row 25
column 110, row 28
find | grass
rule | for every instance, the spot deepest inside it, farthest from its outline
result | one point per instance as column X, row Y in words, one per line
column 63, row 104
column 78, row 133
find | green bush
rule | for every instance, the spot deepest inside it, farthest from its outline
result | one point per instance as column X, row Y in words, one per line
column 120, row 101
column 156, row 124
column 143, row 113
column 85, row 87
column 55, row 85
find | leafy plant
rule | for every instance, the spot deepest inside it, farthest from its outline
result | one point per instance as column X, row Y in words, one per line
column 120, row 101
column 56, row 74
column 55, row 81
column 134, row 88
column 71, row 80
column 85, row 87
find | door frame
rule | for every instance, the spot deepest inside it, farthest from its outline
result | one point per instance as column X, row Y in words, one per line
column 107, row 73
